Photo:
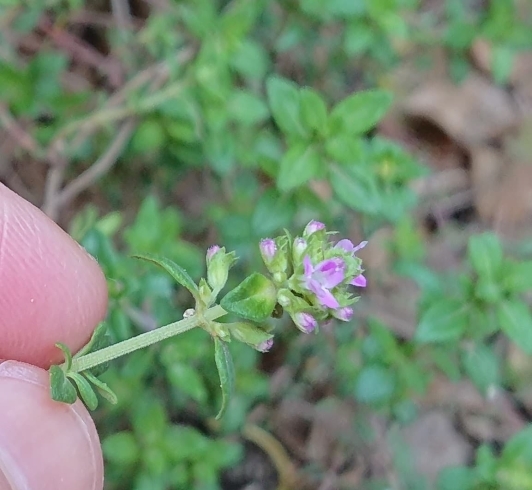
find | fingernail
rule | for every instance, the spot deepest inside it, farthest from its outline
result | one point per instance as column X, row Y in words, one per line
column 44, row 445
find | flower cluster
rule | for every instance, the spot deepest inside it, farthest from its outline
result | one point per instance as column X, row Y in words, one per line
column 313, row 276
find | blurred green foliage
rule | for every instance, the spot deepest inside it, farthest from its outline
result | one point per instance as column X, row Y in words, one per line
column 256, row 107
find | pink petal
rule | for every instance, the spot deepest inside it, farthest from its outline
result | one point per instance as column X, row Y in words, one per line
column 359, row 281
column 326, row 298
column 330, row 272
column 307, row 265
column 345, row 244
column 360, row 246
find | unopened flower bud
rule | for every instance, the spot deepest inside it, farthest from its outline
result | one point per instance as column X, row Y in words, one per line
column 268, row 248
column 265, row 346
column 305, row 322
column 274, row 254
column 218, row 264
column 285, row 298
column 211, row 251
column 313, row 227
column 251, row 335
column 298, row 249
column 344, row 314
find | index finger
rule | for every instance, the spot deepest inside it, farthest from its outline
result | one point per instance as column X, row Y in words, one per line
column 51, row 290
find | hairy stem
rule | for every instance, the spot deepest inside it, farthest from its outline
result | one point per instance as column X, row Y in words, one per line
column 144, row 340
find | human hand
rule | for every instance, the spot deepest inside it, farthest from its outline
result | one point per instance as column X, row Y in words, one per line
column 50, row 291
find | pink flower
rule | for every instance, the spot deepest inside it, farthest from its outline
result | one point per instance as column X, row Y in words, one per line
column 347, row 245
column 323, row 277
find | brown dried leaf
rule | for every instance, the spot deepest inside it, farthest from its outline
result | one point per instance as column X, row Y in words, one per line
column 435, row 444
column 471, row 113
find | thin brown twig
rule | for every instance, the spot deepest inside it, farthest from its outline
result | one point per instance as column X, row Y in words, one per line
column 88, row 17
column 84, row 52
column 98, row 168
column 156, row 73
column 17, row 132
column 54, row 181
column 122, row 15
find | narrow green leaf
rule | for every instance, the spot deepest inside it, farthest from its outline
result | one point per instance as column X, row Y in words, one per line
column 103, row 388
column 85, row 390
column 356, row 188
column 485, row 254
column 488, row 289
column 284, row 100
column 247, row 108
column 180, row 275
column 516, row 322
column 253, row 299
column 226, row 371
column 68, row 355
column 345, row 149
column 517, row 277
column 313, row 110
column 299, row 164
column 482, row 366
column 61, row 389
column 444, row 321
column 359, row 112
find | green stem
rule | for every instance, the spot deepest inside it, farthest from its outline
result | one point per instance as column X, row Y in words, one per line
column 93, row 359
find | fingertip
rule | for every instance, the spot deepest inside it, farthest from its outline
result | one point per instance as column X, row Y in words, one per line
column 44, row 444
column 51, row 290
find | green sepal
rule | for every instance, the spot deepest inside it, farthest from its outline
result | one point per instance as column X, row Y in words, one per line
column 253, row 299
column 206, row 293
column 218, row 267
column 248, row 333
column 226, row 372
column 103, row 388
column 85, row 390
column 61, row 388
column 180, row 275
column 66, row 352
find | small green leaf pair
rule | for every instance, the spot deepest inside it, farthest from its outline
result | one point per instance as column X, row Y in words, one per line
column 64, row 379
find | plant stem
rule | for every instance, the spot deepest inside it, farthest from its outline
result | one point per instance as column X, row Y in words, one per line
column 144, row 340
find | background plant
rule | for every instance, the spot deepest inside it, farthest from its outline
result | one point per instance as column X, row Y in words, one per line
column 163, row 128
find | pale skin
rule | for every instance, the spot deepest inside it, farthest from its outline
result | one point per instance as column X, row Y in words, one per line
column 50, row 291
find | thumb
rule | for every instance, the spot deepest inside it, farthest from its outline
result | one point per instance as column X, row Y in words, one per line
column 44, row 445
